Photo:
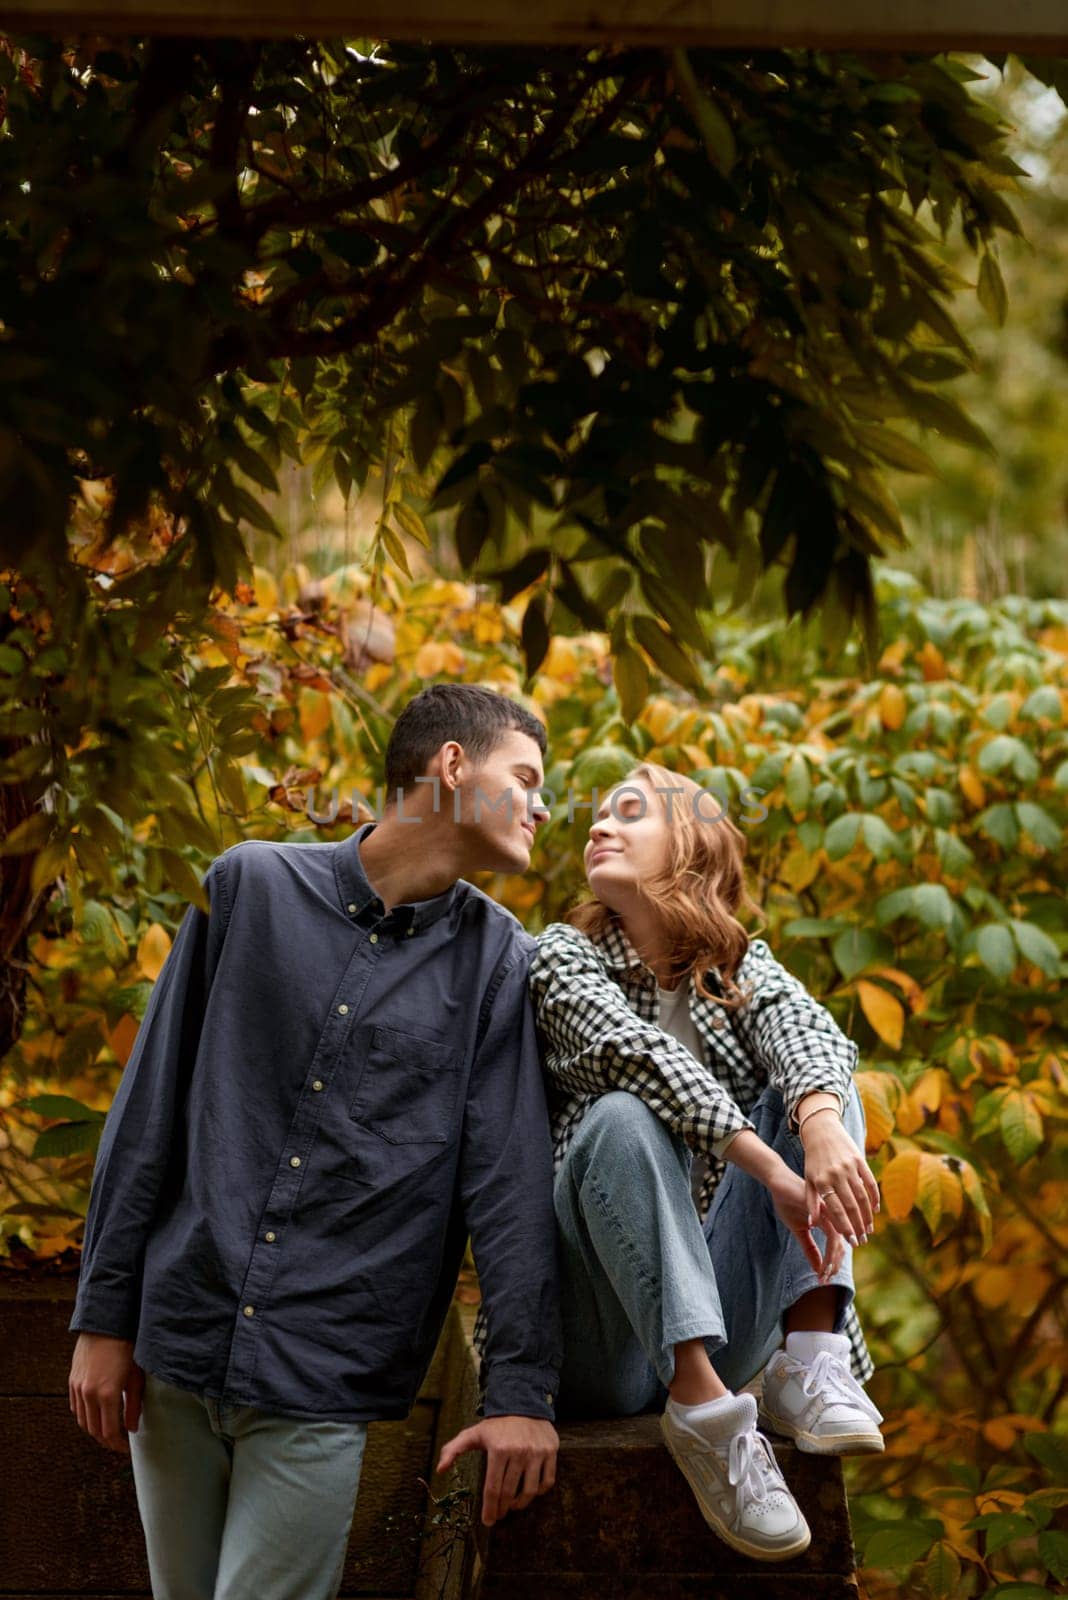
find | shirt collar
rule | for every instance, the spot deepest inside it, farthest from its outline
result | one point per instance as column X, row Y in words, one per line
column 358, row 895
column 618, row 952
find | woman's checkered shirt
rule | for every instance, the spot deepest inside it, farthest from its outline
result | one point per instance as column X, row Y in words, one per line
column 596, row 1008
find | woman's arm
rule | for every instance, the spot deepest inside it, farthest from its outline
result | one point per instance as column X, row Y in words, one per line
column 595, row 1042
column 795, row 1039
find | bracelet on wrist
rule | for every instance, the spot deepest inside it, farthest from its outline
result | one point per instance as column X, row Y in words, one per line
column 809, row 1116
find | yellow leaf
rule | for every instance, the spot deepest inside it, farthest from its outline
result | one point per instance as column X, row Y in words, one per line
column 266, row 589
column 800, row 868
column 314, row 713
column 898, row 1184
column 929, row 1190
column 905, row 982
column 894, row 655
column 892, row 706
column 995, row 1286
column 971, row 787
column 927, row 1091
column 152, row 951
column 877, row 1091
column 886, row 1015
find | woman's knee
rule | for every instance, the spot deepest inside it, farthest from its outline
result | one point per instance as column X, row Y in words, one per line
column 619, row 1115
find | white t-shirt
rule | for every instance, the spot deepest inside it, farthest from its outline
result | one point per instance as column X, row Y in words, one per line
column 675, row 1018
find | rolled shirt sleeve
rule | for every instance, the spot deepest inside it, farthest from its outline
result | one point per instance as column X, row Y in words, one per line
column 793, row 1036
column 136, row 1145
column 506, row 1176
column 596, row 1042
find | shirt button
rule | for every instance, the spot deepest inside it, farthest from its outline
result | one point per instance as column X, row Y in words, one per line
column 410, row 932
column 270, row 1237
column 250, row 1311
column 342, row 1011
column 548, row 1399
column 352, row 907
column 374, row 938
column 294, row 1161
column 317, row 1085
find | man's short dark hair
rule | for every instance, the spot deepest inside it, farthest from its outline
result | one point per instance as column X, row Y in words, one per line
column 476, row 718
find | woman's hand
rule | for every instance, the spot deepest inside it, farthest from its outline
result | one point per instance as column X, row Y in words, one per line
column 841, row 1186
column 789, row 1196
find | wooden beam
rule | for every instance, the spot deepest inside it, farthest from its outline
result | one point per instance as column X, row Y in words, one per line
column 931, row 25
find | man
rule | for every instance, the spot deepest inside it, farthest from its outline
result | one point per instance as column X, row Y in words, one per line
column 335, row 1082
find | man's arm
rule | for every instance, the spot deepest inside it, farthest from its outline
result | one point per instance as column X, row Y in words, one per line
column 131, row 1165
column 506, row 1191
column 596, row 1042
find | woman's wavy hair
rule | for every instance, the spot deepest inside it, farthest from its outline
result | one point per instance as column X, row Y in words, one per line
column 699, row 894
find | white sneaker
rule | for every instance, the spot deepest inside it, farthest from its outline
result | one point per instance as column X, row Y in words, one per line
column 737, row 1483
column 811, row 1396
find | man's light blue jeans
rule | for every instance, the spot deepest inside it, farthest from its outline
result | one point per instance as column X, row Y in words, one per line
column 240, row 1505
column 640, row 1273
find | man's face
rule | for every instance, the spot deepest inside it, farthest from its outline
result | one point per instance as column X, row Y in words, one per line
column 501, row 804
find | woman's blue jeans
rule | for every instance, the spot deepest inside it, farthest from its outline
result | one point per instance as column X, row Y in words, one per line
column 640, row 1273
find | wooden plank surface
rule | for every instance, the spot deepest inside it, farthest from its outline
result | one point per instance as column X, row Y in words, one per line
column 1040, row 25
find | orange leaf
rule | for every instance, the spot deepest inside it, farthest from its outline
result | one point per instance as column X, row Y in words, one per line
column 886, row 1015
column 898, row 1184
column 121, row 1037
column 932, row 661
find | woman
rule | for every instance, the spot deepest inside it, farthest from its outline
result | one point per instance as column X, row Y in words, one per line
column 667, row 1031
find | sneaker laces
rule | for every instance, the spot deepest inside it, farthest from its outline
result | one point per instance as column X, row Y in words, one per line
column 751, row 1466
column 830, row 1376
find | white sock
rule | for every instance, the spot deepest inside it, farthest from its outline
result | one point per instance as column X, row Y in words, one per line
column 805, row 1347
column 717, row 1420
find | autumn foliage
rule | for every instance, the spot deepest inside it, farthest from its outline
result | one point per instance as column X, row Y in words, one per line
column 911, row 870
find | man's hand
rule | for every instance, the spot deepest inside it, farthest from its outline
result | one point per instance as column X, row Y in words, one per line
column 105, row 1389
column 520, row 1461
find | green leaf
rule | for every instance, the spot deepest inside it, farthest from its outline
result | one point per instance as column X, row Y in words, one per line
column 999, row 823
column 991, row 290
column 1051, row 1449
column 814, row 927
column 1036, row 821
column 860, row 948
column 900, row 1544
column 1053, row 1550
column 996, row 949
column 1037, row 947
column 797, row 783
column 68, row 1139
column 933, row 905
column 631, row 677
column 715, row 130
column 63, row 1105
column 841, row 836
column 941, row 1571
column 673, row 662
column 1021, row 1126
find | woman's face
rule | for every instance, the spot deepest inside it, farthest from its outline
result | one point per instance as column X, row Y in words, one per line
column 628, row 843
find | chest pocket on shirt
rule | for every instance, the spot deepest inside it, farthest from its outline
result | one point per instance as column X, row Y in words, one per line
column 408, row 1088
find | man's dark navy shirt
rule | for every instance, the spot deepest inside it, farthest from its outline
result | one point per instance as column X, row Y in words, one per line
column 322, row 1102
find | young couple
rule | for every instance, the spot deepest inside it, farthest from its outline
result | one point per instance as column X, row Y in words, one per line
column 338, row 1079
